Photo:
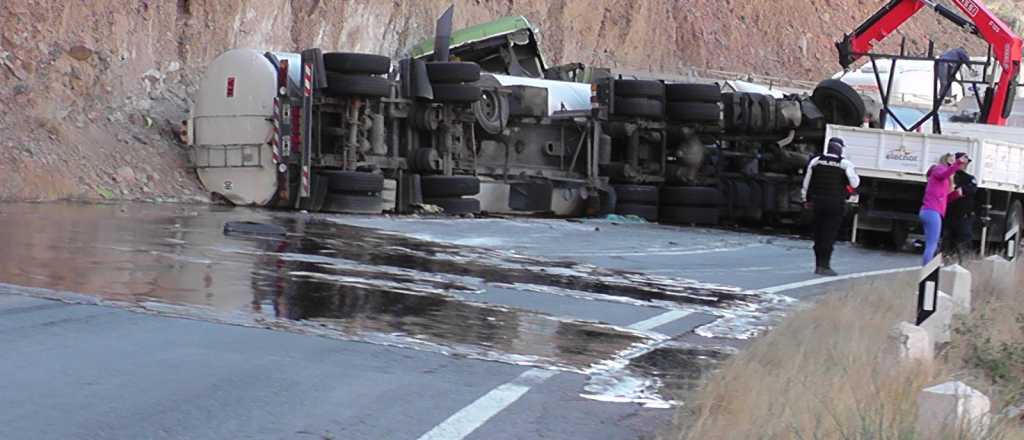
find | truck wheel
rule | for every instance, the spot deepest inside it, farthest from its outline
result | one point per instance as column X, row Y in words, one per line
column 646, row 212
column 491, row 111
column 691, row 196
column 629, row 88
column 636, row 194
column 358, row 63
column 438, row 187
column 453, row 72
column 840, row 103
column 426, row 160
column 456, row 93
column 353, row 182
column 694, row 112
column 340, row 85
column 640, row 107
column 455, row 205
column 353, row 204
column 693, row 93
column 690, row 215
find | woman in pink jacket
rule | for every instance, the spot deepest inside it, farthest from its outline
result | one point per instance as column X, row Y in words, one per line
column 936, row 196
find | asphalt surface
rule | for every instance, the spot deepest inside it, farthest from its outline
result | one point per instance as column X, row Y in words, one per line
column 108, row 372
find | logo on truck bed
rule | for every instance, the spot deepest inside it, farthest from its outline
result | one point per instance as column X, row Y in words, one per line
column 901, row 154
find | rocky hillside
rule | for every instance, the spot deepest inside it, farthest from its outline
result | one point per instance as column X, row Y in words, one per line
column 91, row 91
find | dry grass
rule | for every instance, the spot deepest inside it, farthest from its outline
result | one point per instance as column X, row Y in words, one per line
column 825, row 374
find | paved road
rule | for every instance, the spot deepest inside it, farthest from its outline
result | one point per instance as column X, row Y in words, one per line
column 98, row 372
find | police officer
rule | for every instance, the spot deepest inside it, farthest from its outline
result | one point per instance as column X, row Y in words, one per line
column 825, row 189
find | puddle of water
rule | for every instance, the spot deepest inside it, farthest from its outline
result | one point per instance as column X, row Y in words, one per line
column 349, row 282
column 352, row 280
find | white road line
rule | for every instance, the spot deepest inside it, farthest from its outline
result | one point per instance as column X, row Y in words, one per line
column 659, row 320
column 468, row 419
column 660, row 252
column 819, row 281
column 472, row 417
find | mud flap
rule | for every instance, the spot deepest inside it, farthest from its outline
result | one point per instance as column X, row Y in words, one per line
column 532, row 196
column 409, row 193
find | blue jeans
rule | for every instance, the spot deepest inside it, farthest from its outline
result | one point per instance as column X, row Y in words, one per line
column 932, row 222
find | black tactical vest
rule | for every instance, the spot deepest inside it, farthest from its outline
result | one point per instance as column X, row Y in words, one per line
column 828, row 179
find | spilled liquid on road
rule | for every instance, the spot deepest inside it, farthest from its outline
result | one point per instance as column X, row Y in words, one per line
column 339, row 280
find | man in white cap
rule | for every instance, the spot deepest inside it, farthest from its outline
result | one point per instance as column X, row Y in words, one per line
column 827, row 182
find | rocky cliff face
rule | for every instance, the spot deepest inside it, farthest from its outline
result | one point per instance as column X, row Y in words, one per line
column 91, row 91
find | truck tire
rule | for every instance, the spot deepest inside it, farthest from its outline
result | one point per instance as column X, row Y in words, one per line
column 646, row 212
column 691, row 196
column 356, row 63
column 690, row 215
column 640, row 107
column 630, row 88
column 438, row 187
column 458, row 93
column 341, row 85
column 693, row 93
column 453, row 72
column 636, row 194
column 840, row 103
column 455, row 205
column 492, row 111
column 353, row 182
column 353, row 204
column 741, row 195
column 694, row 112
column 426, row 160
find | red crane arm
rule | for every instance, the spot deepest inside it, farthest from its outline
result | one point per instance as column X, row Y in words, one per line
column 1006, row 45
column 876, row 29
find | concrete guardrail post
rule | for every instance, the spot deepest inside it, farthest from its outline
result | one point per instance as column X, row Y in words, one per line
column 908, row 342
column 939, row 325
column 956, row 281
column 952, row 407
column 1001, row 268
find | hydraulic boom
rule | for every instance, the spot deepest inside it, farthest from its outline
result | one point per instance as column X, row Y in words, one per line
column 1006, row 45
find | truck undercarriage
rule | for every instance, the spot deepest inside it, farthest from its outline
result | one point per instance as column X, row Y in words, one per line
column 486, row 126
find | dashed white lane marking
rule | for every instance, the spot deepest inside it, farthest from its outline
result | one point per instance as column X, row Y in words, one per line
column 660, row 320
column 468, row 419
column 820, row 281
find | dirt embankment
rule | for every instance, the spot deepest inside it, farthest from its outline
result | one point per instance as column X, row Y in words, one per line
column 91, row 91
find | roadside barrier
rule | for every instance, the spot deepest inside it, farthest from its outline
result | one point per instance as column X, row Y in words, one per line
column 942, row 294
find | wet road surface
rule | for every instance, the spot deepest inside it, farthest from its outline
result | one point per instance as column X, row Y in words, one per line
column 426, row 294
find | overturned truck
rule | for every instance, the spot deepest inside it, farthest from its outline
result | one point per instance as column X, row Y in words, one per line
column 484, row 124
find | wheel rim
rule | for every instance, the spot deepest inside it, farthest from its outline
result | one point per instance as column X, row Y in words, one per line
column 488, row 112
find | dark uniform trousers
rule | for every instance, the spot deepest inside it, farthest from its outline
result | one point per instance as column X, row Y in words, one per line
column 828, row 217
